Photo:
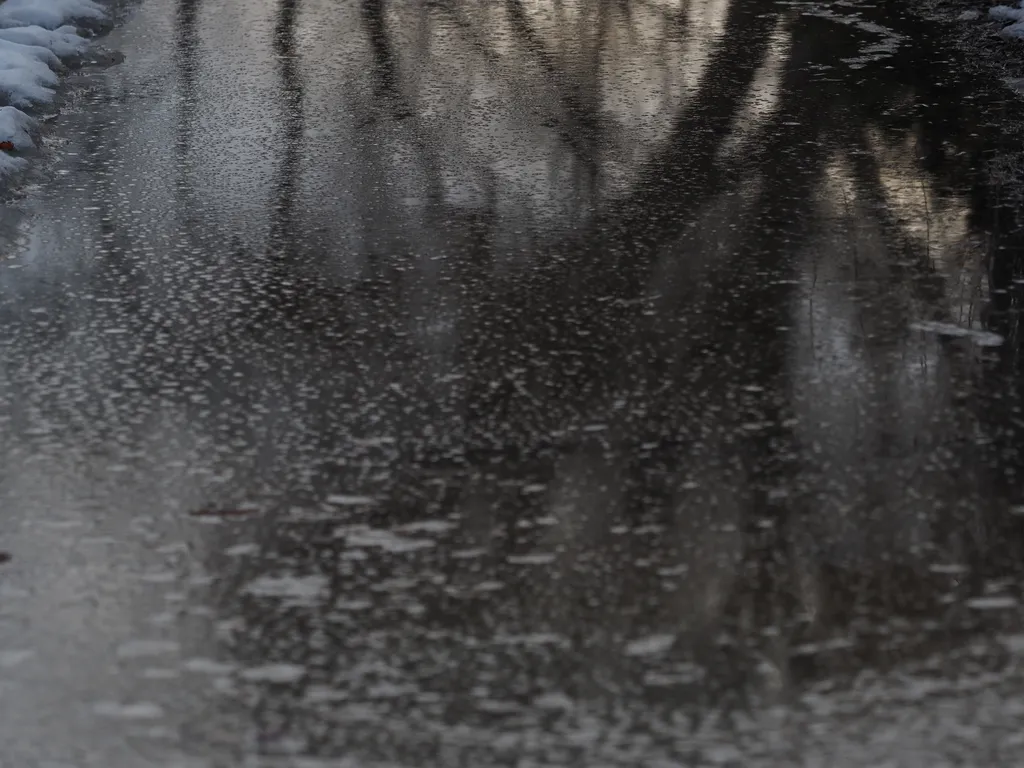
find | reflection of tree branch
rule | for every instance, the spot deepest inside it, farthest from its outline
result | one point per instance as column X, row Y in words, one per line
column 584, row 118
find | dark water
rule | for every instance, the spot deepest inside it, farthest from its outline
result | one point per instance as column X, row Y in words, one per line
column 538, row 384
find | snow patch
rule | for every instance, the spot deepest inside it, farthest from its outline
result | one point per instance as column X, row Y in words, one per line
column 10, row 165
column 35, row 36
column 1007, row 13
column 49, row 14
column 63, row 42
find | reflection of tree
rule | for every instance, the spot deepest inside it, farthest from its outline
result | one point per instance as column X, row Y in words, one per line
column 685, row 380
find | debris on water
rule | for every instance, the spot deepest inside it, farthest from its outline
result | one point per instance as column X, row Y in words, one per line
column 350, row 500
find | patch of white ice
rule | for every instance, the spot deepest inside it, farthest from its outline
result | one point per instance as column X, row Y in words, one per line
column 17, row 128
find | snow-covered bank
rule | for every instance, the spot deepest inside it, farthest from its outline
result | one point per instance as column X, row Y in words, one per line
column 1015, row 15
column 37, row 37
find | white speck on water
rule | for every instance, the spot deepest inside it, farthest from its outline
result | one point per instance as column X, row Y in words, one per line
column 650, row 645
column 385, row 540
column 134, row 649
column 489, row 586
column 948, row 568
column 553, row 701
column 159, row 673
column 427, row 526
column 373, row 442
column 321, row 694
column 274, row 673
column 203, row 666
column 539, row 558
column 142, row 710
column 467, row 554
column 536, row 639
column 294, row 587
column 992, row 603
column 350, row 500
column 1013, row 643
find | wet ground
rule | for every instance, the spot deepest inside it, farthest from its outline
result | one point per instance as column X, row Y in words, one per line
column 538, row 384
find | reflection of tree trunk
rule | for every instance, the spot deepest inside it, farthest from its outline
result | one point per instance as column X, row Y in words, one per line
column 582, row 130
column 186, row 49
column 385, row 60
column 186, row 45
column 613, row 258
column 282, row 231
column 283, row 284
